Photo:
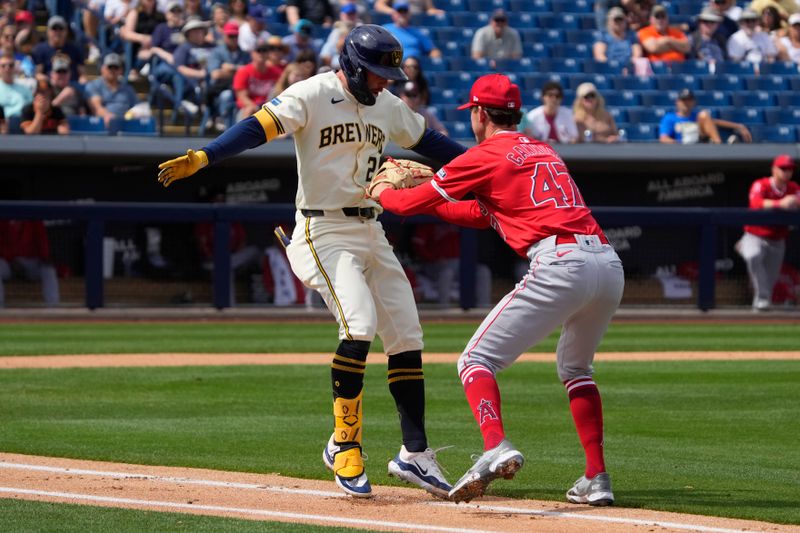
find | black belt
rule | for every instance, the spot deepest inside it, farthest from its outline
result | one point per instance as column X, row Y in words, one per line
column 361, row 212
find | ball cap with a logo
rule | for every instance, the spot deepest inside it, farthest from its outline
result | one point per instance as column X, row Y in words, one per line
column 783, row 161
column 495, row 91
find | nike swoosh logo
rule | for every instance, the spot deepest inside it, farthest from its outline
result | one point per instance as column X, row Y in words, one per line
column 562, row 254
column 423, row 470
column 335, row 101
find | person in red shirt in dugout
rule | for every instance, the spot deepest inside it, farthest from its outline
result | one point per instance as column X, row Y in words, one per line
column 524, row 191
column 25, row 252
column 763, row 247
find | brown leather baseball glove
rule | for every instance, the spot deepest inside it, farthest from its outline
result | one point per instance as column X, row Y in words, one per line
column 400, row 174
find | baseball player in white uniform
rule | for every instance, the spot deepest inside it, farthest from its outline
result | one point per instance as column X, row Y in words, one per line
column 342, row 122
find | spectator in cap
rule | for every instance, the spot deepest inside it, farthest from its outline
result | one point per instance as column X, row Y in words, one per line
column 662, row 42
column 140, row 23
column 750, row 43
column 348, row 19
column 68, row 96
column 195, row 9
column 497, row 40
column 789, row 45
column 24, row 19
column 730, row 13
column 109, row 95
column 589, row 111
column 690, row 125
column 763, row 247
column 190, row 59
column 770, row 22
column 551, row 122
column 254, row 29
column 707, row 44
column 57, row 33
column 253, row 82
column 617, row 43
column 410, row 94
column 24, row 66
column 225, row 59
column 319, row 12
column 220, row 15
column 167, row 37
column 414, row 42
column 13, row 95
column 786, row 8
column 301, row 39
column 41, row 117
column 417, row 7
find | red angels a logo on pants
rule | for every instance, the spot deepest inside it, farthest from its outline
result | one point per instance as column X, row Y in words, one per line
column 486, row 411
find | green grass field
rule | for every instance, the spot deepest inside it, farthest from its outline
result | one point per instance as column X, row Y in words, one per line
column 716, row 438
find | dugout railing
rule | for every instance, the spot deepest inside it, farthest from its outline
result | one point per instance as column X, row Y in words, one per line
column 95, row 216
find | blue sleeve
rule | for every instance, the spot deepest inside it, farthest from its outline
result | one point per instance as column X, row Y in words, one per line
column 180, row 55
column 436, row 146
column 667, row 126
column 244, row 135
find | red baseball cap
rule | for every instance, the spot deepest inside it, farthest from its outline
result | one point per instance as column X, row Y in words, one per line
column 24, row 17
column 495, row 91
column 783, row 161
column 230, row 28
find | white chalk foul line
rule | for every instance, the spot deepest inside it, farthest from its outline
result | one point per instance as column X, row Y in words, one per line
column 167, row 479
column 337, row 520
column 596, row 518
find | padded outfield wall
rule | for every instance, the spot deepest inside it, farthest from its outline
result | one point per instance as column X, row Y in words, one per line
column 660, row 261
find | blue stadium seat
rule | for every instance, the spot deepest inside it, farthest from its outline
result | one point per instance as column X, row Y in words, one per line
column 677, row 82
column 424, row 20
column 753, row 99
column 725, row 82
column 452, row 5
column 535, row 6
column 485, row 5
column 634, row 83
column 647, row 115
column 794, row 82
column 467, row 64
column 659, row 98
column 564, row 21
column 525, row 20
column 609, row 67
column 535, row 50
column 572, row 6
column 433, row 64
column 519, row 66
column 448, row 96
column 745, row 116
column 85, row 125
column 533, row 82
column 539, row 35
column 453, row 33
column 577, row 51
column 689, row 67
column 582, row 37
column 622, row 98
column 774, row 134
column 788, row 98
column 660, row 68
column 562, row 65
column 712, row 98
column 14, row 125
column 780, row 68
column 451, row 113
column 381, row 18
column 468, row 19
column 457, row 49
column 742, row 68
column 642, row 132
column 767, row 83
column 281, row 28
column 619, row 114
column 774, row 116
column 459, row 130
column 603, row 83
column 451, row 80
column 138, row 127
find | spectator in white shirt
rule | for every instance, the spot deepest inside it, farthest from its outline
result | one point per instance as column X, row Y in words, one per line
column 254, row 29
column 551, row 122
column 749, row 43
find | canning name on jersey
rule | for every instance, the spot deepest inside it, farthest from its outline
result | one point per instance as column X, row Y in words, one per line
column 330, row 127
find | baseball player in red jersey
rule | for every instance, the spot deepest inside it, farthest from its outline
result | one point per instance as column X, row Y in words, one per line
column 763, row 247
column 524, row 191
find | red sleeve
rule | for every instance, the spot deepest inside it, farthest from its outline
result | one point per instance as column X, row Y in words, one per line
column 466, row 213
column 40, row 238
column 757, row 195
column 240, row 78
column 417, row 201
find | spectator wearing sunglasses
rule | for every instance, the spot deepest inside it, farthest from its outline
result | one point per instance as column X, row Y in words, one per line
column 57, row 43
column 551, row 122
column 110, row 96
column 617, row 42
column 497, row 40
column 589, row 110
column 67, row 95
column 707, row 44
column 750, row 43
column 13, row 94
column 662, row 42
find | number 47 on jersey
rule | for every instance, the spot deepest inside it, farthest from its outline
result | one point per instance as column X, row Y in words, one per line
column 552, row 183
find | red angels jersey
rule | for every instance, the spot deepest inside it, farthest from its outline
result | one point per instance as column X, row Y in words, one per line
column 763, row 189
column 522, row 189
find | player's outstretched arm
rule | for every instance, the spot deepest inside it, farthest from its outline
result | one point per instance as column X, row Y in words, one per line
column 245, row 134
column 437, row 147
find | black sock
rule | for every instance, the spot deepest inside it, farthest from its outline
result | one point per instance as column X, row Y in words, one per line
column 407, row 385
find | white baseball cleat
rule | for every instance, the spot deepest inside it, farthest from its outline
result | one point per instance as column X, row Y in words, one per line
column 594, row 491
column 357, row 486
column 421, row 469
column 501, row 461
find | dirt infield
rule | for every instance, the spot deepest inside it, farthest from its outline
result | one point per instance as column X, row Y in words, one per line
column 284, row 499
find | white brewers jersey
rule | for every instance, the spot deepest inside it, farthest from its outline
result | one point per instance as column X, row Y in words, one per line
column 338, row 142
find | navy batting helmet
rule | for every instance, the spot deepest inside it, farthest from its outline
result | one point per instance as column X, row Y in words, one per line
column 370, row 48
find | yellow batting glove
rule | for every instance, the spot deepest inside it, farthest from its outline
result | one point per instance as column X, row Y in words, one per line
column 181, row 167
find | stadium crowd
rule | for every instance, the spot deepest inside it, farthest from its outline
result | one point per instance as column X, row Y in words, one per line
column 109, row 65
